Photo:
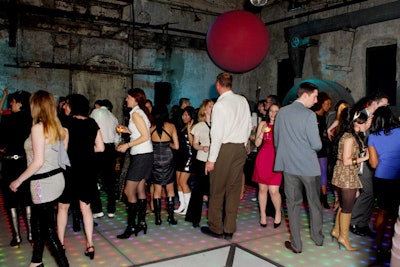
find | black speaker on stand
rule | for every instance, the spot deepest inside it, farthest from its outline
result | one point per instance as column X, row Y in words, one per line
column 162, row 93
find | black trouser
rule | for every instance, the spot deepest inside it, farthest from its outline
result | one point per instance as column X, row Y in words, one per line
column 201, row 187
column 106, row 165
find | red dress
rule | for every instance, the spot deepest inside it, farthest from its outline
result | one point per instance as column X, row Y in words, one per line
column 263, row 168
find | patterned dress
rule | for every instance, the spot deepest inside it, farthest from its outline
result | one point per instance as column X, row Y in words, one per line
column 346, row 176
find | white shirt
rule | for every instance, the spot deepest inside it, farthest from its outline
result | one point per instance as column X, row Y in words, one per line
column 203, row 132
column 231, row 122
column 146, row 147
column 107, row 122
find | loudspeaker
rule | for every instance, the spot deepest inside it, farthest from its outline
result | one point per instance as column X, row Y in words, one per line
column 162, row 93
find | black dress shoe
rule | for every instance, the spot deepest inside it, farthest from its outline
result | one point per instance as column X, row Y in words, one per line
column 366, row 231
column 228, row 236
column 288, row 245
column 195, row 225
column 356, row 230
column 206, row 230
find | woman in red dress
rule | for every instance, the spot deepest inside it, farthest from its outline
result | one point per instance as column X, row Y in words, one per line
column 267, row 179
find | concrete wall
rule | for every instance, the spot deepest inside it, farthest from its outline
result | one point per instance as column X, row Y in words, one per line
column 161, row 54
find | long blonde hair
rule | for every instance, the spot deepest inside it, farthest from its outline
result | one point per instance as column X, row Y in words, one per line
column 43, row 110
column 201, row 115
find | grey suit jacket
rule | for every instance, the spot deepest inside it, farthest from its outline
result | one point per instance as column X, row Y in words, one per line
column 297, row 140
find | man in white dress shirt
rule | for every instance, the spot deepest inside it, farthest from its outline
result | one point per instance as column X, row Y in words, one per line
column 230, row 130
column 108, row 124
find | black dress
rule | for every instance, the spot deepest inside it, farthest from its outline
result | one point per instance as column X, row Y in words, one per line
column 163, row 165
column 184, row 156
column 80, row 178
column 14, row 130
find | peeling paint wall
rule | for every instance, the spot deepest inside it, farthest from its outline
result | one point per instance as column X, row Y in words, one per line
column 102, row 59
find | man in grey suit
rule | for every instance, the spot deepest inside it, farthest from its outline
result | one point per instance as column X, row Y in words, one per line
column 297, row 141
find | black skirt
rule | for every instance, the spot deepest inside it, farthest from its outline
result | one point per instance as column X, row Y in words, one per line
column 163, row 166
column 140, row 167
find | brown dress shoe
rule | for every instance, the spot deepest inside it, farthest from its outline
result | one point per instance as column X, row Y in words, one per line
column 288, row 245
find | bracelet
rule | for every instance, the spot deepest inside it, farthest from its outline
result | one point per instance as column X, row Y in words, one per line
column 354, row 161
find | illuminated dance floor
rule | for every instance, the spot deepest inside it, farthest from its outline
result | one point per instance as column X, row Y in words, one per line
column 182, row 245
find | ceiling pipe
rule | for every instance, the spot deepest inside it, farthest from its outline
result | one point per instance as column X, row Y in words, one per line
column 349, row 20
column 306, row 14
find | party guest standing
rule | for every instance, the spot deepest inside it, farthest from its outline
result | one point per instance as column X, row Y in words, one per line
column 201, row 142
column 81, row 185
column 350, row 150
column 184, row 159
column 14, row 129
column 46, row 156
column 141, row 161
column 321, row 109
column 384, row 151
column 164, row 138
column 230, row 130
column 297, row 141
column 264, row 175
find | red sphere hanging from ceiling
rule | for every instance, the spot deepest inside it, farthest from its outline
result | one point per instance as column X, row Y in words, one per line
column 237, row 41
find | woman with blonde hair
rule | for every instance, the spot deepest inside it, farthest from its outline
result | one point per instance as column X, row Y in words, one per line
column 46, row 157
column 201, row 142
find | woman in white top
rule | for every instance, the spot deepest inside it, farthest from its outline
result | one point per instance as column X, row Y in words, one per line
column 141, row 161
column 201, row 142
column 46, row 156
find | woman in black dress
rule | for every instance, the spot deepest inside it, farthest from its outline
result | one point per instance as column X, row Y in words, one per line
column 164, row 138
column 184, row 159
column 80, row 184
column 14, row 130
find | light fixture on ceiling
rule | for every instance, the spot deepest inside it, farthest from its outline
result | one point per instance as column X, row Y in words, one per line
column 258, row 2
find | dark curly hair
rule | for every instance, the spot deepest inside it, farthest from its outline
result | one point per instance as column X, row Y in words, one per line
column 384, row 120
column 346, row 125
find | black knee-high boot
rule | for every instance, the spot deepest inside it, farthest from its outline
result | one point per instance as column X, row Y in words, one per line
column 16, row 235
column 38, row 236
column 170, row 209
column 157, row 210
column 130, row 229
column 142, row 217
column 56, row 248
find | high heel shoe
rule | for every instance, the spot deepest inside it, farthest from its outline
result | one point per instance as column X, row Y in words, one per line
column 88, row 253
column 276, row 225
column 141, row 226
column 40, row 265
column 263, row 225
column 15, row 242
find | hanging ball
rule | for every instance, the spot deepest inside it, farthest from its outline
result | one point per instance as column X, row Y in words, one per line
column 258, row 2
column 237, row 41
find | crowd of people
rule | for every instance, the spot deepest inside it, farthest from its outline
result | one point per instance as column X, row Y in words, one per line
column 56, row 156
